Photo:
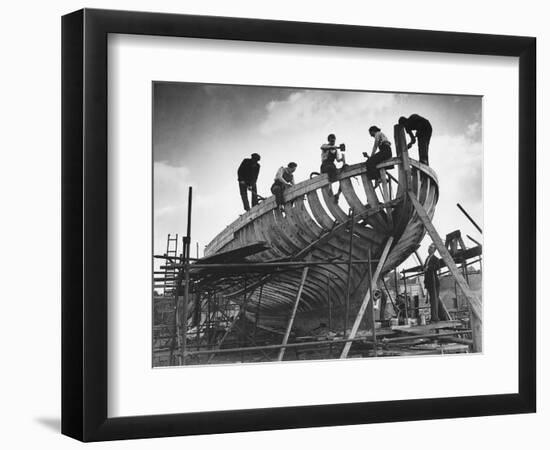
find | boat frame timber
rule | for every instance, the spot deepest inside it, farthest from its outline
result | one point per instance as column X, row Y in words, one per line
column 314, row 225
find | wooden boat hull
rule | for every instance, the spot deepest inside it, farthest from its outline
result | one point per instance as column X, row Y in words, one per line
column 317, row 226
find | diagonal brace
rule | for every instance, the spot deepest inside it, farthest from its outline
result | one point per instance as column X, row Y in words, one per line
column 293, row 315
column 367, row 298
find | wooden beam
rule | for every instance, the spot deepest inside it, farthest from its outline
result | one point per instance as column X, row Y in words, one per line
column 349, row 274
column 371, row 308
column 227, row 331
column 293, row 315
column 386, row 195
column 403, row 154
column 366, row 299
column 473, row 300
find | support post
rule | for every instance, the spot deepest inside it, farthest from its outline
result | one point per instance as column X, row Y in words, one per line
column 185, row 313
column 329, row 305
column 418, row 258
column 186, row 250
column 473, row 300
column 386, row 195
column 293, row 314
column 469, row 218
column 406, row 297
column 403, row 153
column 348, row 279
column 198, row 317
column 366, row 299
column 209, row 318
column 179, row 343
column 243, row 315
column 371, row 309
column 227, row 331
column 258, row 306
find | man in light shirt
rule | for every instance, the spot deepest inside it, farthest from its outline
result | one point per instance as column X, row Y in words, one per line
column 331, row 153
column 284, row 178
column 381, row 151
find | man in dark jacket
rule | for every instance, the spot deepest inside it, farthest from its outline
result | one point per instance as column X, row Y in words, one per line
column 431, row 283
column 248, row 175
column 423, row 130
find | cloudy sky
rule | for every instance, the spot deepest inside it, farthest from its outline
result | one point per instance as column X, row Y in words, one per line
column 202, row 132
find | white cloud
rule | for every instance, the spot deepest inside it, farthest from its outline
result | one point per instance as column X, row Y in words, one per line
column 216, row 203
column 322, row 109
column 473, row 129
column 458, row 163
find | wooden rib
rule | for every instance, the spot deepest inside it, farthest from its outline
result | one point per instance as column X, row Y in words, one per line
column 319, row 212
column 386, row 195
column 342, row 217
column 414, row 180
column 355, row 202
column 282, row 292
column 305, row 188
column 372, row 198
column 303, row 214
column 351, row 196
column 290, row 194
column 300, row 216
column 297, row 230
column 291, row 232
column 272, row 234
column 332, row 205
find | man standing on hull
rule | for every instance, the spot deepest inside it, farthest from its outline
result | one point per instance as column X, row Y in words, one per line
column 423, row 130
column 248, row 175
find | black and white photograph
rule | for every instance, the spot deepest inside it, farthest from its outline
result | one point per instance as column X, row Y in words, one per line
column 295, row 224
column 275, row 225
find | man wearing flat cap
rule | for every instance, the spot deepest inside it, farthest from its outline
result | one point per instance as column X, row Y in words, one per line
column 248, row 175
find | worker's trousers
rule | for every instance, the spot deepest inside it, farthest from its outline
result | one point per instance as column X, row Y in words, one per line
column 278, row 189
column 243, row 188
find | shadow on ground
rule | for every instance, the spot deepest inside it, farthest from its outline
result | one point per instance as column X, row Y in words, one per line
column 53, row 423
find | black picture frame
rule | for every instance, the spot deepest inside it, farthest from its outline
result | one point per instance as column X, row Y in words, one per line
column 84, row 224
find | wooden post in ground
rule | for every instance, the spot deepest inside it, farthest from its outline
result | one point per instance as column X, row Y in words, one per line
column 403, row 153
column 473, row 300
column 329, row 303
column 243, row 315
column 185, row 311
column 348, row 278
column 293, row 314
column 178, row 323
column 258, row 306
column 406, row 303
column 371, row 307
column 187, row 251
column 366, row 299
column 227, row 331
column 386, row 195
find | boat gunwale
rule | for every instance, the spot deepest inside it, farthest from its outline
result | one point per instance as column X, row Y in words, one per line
column 300, row 189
